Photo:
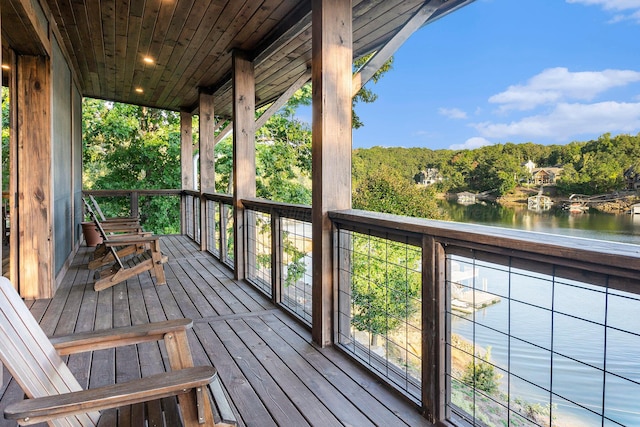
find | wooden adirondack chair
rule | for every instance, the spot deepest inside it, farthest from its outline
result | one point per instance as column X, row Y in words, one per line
column 55, row 396
column 115, row 247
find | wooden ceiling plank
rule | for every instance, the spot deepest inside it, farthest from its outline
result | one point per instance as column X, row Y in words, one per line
column 208, row 26
column 177, row 34
column 220, row 49
column 133, row 60
column 386, row 52
column 159, row 40
column 64, row 38
column 279, row 14
column 94, row 22
column 230, row 20
column 369, row 40
column 122, row 29
column 109, row 42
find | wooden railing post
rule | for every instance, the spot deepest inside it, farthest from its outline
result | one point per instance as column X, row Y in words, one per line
column 134, row 204
column 433, row 327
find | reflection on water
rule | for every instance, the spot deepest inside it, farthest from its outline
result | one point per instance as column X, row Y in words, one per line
column 594, row 224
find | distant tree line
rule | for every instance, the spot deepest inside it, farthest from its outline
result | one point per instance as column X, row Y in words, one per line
column 590, row 167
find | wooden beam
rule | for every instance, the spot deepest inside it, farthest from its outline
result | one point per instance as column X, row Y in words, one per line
column 244, row 153
column 226, row 131
column 331, row 148
column 207, row 159
column 387, row 51
column 35, row 190
column 282, row 100
column 186, row 150
column 186, row 162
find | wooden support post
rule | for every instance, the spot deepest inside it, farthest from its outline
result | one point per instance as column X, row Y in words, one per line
column 332, row 54
column 433, row 329
column 35, row 206
column 186, row 161
column 14, row 249
column 207, row 161
column 244, row 154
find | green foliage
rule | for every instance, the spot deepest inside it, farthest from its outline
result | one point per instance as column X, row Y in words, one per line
column 132, row 147
column 385, row 283
column 481, row 374
column 590, row 167
column 385, row 190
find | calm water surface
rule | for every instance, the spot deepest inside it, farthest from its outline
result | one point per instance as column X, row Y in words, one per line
column 577, row 321
column 594, row 225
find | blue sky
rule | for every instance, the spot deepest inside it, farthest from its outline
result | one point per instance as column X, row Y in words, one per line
column 496, row 71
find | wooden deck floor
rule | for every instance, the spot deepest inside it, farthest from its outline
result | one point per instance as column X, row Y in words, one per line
column 270, row 370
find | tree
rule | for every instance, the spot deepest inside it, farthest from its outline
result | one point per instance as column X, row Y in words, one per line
column 132, row 147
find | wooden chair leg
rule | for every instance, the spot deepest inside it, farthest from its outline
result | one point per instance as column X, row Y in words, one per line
column 195, row 406
column 158, row 261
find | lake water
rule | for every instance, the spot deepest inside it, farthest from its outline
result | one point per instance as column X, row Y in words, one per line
column 550, row 333
column 594, row 225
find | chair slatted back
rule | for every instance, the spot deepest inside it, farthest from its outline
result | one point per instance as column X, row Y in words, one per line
column 30, row 357
column 97, row 207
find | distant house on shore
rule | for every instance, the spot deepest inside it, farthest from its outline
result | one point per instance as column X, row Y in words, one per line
column 631, row 178
column 545, row 176
column 466, row 198
column 428, row 176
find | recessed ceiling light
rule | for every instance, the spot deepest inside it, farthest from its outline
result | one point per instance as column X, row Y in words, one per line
column 148, row 60
column 139, row 90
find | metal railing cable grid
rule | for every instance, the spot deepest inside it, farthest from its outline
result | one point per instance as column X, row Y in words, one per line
column 170, row 212
column 213, row 227
column 376, row 265
column 197, row 232
column 189, row 215
column 259, row 250
column 556, row 315
column 227, row 226
column 296, row 278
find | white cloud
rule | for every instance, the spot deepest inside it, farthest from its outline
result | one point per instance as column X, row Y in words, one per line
column 453, row 113
column 569, row 120
column 616, row 6
column 610, row 4
column 471, row 143
column 559, row 84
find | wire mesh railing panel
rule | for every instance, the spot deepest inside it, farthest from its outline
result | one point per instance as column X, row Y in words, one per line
column 189, row 218
column 160, row 214
column 380, row 306
column 213, row 227
column 259, row 254
column 227, row 220
column 296, row 277
column 527, row 346
column 197, row 232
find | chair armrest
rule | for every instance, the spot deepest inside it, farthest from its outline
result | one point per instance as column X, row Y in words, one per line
column 32, row 411
column 117, row 337
column 129, row 240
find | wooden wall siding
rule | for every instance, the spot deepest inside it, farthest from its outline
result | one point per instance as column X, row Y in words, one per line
column 61, row 141
column 191, row 42
column 35, row 275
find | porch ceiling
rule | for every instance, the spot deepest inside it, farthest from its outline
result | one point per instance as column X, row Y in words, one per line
column 191, row 44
